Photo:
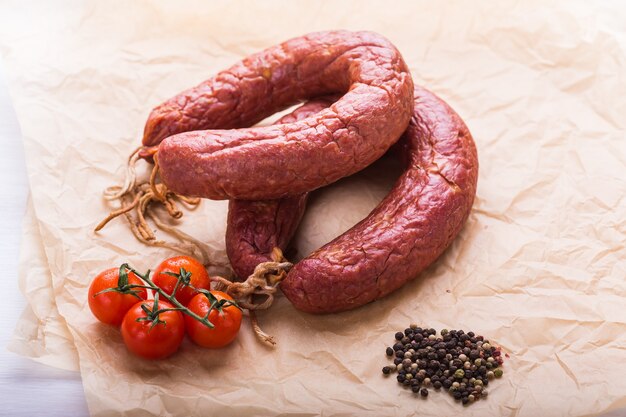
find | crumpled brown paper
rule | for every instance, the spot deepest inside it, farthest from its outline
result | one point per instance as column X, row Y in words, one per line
column 538, row 267
column 41, row 332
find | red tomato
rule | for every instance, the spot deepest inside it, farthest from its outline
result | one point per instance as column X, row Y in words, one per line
column 198, row 277
column 226, row 320
column 149, row 340
column 111, row 306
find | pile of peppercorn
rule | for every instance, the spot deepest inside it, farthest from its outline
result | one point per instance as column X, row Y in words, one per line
column 462, row 363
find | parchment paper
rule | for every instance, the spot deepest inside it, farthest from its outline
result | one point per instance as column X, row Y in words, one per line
column 538, row 268
column 41, row 332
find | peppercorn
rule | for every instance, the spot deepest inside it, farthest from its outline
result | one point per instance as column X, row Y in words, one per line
column 424, row 392
column 460, row 362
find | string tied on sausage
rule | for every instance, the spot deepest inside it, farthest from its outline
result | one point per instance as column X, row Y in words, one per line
column 257, row 291
column 139, row 202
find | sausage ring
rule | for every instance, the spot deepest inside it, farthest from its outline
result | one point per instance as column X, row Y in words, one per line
column 408, row 230
column 276, row 161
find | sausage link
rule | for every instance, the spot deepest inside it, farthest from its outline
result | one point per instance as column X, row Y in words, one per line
column 408, row 230
column 288, row 159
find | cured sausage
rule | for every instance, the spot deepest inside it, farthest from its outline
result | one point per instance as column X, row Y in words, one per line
column 288, row 159
column 256, row 227
column 408, row 230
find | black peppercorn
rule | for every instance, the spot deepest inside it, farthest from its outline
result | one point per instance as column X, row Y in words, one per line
column 462, row 363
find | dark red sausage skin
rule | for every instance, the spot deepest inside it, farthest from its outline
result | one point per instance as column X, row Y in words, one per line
column 408, row 230
column 256, row 227
column 275, row 161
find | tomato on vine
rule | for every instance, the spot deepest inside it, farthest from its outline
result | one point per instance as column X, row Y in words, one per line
column 188, row 272
column 221, row 311
column 111, row 294
column 153, row 329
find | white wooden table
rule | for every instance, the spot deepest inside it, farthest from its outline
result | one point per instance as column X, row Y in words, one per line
column 27, row 388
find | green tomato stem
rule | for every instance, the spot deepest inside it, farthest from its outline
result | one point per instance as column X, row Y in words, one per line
column 171, row 298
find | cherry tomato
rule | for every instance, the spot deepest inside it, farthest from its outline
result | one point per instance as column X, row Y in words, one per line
column 193, row 271
column 153, row 337
column 226, row 320
column 111, row 306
